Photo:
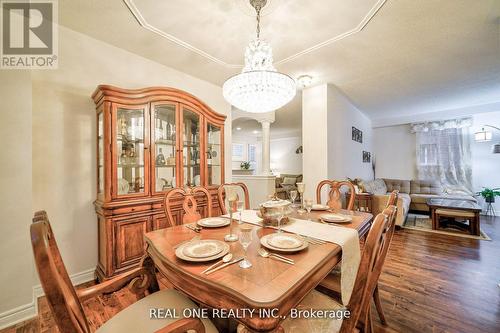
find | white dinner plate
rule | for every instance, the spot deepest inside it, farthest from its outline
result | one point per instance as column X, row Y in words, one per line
column 213, row 222
column 285, row 241
column 263, row 242
column 201, row 249
column 320, row 207
column 336, row 218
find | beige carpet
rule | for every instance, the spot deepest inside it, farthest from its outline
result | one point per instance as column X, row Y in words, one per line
column 424, row 223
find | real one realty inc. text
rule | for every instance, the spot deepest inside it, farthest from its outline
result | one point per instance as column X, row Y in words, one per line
column 202, row 313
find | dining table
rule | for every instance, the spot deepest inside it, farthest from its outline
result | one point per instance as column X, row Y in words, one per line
column 264, row 294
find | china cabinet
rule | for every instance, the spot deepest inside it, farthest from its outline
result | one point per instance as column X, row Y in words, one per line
column 149, row 141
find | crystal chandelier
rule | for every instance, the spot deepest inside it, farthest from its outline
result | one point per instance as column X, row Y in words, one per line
column 259, row 87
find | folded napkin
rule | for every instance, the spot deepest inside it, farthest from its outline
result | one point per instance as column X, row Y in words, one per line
column 347, row 238
column 247, row 216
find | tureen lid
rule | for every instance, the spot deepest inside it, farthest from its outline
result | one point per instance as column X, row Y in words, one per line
column 275, row 203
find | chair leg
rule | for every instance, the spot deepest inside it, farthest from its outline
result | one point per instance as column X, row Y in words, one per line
column 378, row 305
column 368, row 327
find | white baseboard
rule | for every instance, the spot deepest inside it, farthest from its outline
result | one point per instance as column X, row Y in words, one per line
column 30, row 310
column 17, row 315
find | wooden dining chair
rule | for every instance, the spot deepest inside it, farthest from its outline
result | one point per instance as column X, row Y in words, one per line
column 66, row 303
column 334, row 195
column 189, row 204
column 331, row 284
column 221, row 193
column 359, row 305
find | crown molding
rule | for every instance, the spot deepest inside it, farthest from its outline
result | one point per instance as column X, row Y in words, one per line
column 142, row 21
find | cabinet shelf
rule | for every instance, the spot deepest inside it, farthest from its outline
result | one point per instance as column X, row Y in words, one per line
column 130, row 165
column 120, row 138
column 165, row 142
column 191, row 144
column 165, row 166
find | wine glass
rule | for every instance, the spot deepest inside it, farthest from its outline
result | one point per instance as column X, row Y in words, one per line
column 308, row 203
column 293, row 196
column 240, row 206
column 280, row 214
column 245, row 240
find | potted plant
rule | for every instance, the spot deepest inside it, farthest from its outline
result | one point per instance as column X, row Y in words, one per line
column 489, row 194
column 245, row 165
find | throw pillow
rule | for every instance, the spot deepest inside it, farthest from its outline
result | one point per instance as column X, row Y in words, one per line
column 289, row 181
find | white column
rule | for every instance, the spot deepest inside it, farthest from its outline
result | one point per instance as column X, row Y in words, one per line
column 266, row 147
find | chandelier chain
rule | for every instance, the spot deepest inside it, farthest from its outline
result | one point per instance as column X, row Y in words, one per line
column 258, row 22
column 258, row 5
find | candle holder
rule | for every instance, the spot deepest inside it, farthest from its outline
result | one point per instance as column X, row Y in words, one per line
column 232, row 198
column 301, row 187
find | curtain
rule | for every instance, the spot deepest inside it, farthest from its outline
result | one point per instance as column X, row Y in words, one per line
column 443, row 154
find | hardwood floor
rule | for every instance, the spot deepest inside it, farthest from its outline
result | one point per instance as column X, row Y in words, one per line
column 430, row 283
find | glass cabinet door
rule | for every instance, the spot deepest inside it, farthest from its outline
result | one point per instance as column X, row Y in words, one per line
column 100, row 153
column 213, row 153
column 130, row 139
column 164, row 155
column 191, row 148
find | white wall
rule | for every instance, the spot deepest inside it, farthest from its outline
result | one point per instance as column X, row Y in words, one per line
column 283, row 156
column 345, row 156
column 395, row 152
column 16, row 258
column 329, row 151
column 314, row 137
column 64, row 173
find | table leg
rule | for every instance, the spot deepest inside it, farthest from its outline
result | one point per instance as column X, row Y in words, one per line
column 434, row 218
column 476, row 224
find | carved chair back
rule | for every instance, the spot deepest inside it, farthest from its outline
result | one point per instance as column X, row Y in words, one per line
column 61, row 295
column 221, row 194
column 189, row 204
column 335, row 196
column 393, row 199
column 371, row 262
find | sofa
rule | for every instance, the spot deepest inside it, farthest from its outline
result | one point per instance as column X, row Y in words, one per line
column 413, row 195
column 285, row 183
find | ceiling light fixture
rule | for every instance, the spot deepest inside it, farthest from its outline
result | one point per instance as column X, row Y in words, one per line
column 304, row 80
column 238, row 128
column 255, row 132
column 259, row 87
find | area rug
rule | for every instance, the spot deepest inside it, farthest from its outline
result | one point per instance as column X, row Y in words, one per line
column 424, row 223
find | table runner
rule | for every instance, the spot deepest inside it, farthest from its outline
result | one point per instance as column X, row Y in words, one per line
column 347, row 238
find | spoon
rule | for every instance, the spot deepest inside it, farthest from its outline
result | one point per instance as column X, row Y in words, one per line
column 227, row 258
column 266, row 254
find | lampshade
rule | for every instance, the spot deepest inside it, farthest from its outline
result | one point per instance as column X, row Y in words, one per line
column 482, row 136
column 495, row 149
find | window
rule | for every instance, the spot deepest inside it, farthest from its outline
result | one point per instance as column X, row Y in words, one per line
column 251, row 153
column 428, row 154
column 252, row 156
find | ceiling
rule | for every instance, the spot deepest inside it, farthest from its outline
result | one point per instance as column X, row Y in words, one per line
column 392, row 58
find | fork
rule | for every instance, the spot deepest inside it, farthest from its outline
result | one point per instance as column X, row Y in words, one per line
column 192, row 227
column 315, row 240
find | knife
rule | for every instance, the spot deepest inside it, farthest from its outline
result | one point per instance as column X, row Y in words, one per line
column 225, row 265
